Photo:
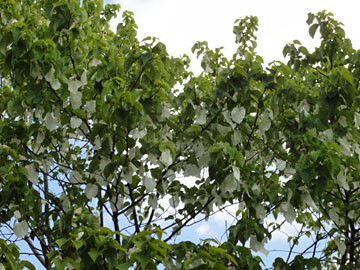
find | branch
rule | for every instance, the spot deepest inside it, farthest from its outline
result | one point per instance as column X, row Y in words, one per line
column 137, row 228
column 188, row 220
column 322, row 73
column 293, row 244
column 255, row 121
column 71, row 57
column 137, row 79
column 34, row 250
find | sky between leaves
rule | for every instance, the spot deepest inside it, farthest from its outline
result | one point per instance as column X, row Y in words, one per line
column 180, row 23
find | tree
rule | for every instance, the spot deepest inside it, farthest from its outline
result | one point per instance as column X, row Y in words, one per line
column 96, row 127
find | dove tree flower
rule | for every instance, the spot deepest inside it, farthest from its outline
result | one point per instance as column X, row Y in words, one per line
column 96, row 128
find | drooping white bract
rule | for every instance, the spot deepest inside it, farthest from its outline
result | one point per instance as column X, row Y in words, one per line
column 229, row 184
column 238, row 114
column 55, row 84
column 91, row 191
column 91, row 106
column 200, row 116
column 33, row 174
column 166, row 158
column 75, row 95
column 149, row 184
column 75, row 122
column 21, row 229
column 51, row 122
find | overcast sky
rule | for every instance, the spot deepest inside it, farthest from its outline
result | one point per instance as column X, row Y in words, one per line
column 180, row 23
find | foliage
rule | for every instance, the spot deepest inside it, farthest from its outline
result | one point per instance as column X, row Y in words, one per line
column 97, row 129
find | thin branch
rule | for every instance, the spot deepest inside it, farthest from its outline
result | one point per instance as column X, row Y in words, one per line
column 255, row 121
column 188, row 220
column 322, row 73
column 34, row 250
column 293, row 244
column 137, row 228
column 71, row 57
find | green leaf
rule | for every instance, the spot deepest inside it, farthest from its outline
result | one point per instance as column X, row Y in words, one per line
column 27, row 264
column 78, row 243
column 61, row 264
column 109, row 169
column 124, row 266
column 94, row 254
column 143, row 259
column 313, row 29
column 232, row 259
column 310, row 19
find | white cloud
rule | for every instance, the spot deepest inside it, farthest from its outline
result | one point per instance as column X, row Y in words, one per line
column 204, row 230
column 226, row 216
column 285, row 230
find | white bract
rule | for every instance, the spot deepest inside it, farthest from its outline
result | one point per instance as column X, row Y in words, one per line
column 357, row 119
column 258, row 246
column 340, row 244
column 343, row 122
column 260, row 211
column 75, row 122
column 345, row 146
column 174, row 201
column 229, row 184
column 83, row 79
column 288, row 211
column 33, row 174
column 149, row 184
column 165, row 110
column 236, row 172
column 280, row 164
column 75, row 99
column 49, row 77
column 227, row 117
column 51, row 122
column 21, row 229
column 97, row 143
column 341, row 179
column 91, row 191
column 236, row 137
column 75, row 177
column 191, row 170
column 17, row 214
column 166, row 158
column 74, row 85
column 200, row 116
column 265, row 122
column 238, row 114
column 223, row 130
column 91, row 106
column 153, row 201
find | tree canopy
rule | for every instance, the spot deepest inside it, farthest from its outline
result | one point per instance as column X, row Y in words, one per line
column 98, row 129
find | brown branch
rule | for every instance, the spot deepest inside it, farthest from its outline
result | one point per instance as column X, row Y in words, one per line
column 34, row 250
